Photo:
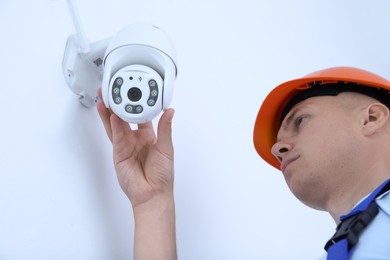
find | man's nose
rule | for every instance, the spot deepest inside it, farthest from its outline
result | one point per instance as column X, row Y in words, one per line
column 280, row 149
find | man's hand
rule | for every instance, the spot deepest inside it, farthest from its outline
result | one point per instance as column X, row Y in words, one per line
column 144, row 167
column 144, row 163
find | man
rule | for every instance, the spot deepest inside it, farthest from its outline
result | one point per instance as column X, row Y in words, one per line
column 328, row 132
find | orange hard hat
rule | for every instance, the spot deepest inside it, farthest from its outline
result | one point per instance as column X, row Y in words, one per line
column 269, row 116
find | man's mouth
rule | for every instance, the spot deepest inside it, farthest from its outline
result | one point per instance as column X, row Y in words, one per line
column 286, row 162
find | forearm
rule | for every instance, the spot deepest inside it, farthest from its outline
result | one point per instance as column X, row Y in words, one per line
column 155, row 237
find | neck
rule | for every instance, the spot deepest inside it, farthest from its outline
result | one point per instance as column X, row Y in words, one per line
column 349, row 194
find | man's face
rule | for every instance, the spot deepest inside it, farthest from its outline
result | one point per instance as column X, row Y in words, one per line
column 316, row 145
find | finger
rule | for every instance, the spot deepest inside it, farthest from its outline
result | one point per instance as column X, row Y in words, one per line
column 104, row 114
column 100, row 96
column 119, row 128
column 99, row 92
column 148, row 127
column 123, row 139
column 164, row 131
column 118, row 139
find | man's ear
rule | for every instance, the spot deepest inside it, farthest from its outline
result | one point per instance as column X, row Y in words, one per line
column 376, row 117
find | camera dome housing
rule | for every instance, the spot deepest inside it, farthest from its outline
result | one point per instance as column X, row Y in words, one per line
column 143, row 57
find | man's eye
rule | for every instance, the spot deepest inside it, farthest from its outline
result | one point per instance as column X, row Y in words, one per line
column 299, row 120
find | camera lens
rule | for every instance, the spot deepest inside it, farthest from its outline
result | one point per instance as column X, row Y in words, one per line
column 134, row 94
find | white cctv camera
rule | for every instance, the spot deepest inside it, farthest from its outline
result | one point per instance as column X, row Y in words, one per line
column 136, row 70
column 139, row 73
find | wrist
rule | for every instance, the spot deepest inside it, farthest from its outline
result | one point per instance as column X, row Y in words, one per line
column 155, row 236
column 159, row 204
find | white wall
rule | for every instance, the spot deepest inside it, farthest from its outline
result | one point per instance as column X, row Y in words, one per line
column 59, row 197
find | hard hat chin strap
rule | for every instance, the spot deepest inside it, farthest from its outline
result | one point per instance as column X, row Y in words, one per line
column 319, row 88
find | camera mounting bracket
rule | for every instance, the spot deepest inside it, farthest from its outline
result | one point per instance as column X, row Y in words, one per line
column 83, row 72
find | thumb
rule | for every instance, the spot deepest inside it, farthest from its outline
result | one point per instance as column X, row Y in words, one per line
column 164, row 131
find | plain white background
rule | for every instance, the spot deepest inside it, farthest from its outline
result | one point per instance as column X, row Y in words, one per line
column 59, row 197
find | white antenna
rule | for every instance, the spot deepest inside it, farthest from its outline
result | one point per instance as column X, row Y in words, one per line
column 83, row 41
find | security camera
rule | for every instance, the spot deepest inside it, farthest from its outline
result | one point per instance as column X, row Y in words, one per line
column 139, row 73
column 136, row 69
